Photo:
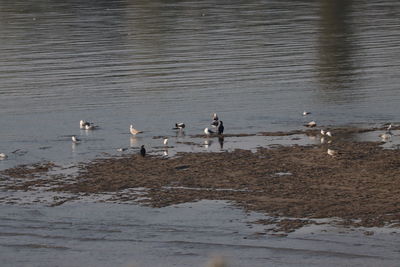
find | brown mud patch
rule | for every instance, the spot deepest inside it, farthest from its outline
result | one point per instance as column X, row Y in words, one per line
column 360, row 184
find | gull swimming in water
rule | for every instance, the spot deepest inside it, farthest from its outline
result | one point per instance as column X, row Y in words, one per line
column 122, row 149
column 134, row 131
column 74, row 139
column 3, row 156
column 305, row 113
column 311, row 124
column 142, row 151
column 179, row 126
column 208, row 131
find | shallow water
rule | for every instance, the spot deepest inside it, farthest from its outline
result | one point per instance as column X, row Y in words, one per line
column 89, row 234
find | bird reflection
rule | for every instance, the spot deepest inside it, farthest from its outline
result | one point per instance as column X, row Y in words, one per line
column 207, row 143
column 133, row 141
column 221, row 142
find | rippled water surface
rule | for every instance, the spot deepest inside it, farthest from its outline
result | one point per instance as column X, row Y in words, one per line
column 258, row 64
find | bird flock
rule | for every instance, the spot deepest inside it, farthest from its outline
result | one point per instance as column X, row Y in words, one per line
column 217, row 127
column 180, row 126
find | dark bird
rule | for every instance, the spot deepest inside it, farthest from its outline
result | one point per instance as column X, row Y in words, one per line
column 179, row 126
column 142, row 151
column 220, row 128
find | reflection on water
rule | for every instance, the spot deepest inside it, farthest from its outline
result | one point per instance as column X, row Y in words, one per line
column 336, row 58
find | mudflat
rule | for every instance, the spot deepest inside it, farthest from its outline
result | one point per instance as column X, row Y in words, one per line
column 359, row 183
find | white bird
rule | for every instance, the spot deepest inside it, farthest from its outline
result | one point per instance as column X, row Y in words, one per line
column 215, row 117
column 122, row 149
column 332, row 152
column 134, row 131
column 208, row 131
column 389, row 127
column 74, row 139
column 385, row 136
column 311, row 124
column 322, row 132
column 179, row 126
column 90, row 127
column 329, row 134
column 166, row 141
column 305, row 113
column 322, row 140
column 3, row 156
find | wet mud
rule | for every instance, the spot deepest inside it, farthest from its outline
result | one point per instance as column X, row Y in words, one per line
column 358, row 185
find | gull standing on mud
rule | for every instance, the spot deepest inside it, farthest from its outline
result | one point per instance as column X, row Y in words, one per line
column 332, row 153
column 165, row 142
column 134, row 131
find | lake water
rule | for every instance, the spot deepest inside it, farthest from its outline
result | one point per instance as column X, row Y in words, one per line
column 258, row 64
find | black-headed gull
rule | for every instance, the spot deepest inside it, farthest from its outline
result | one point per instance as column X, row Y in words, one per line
column 179, row 126
column 134, row 131
column 75, row 139
column 208, row 131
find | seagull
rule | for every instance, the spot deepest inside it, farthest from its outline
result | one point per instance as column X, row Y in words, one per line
column 389, row 127
column 305, row 113
column 208, row 131
column 220, row 128
column 311, row 124
column 74, row 139
column 215, row 117
column 322, row 132
column 166, row 141
column 134, row 131
column 332, row 152
column 90, row 127
column 3, row 156
column 142, row 151
column 179, row 126
column 329, row 134
column 215, row 121
column 122, row 149
column 385, row 136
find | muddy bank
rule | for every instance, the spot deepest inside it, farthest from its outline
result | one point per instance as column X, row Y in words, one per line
column 360, row 183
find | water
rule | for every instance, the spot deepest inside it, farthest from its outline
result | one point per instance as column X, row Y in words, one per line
column 258, row 64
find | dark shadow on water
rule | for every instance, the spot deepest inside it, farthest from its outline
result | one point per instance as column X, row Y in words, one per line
column 336, row 61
